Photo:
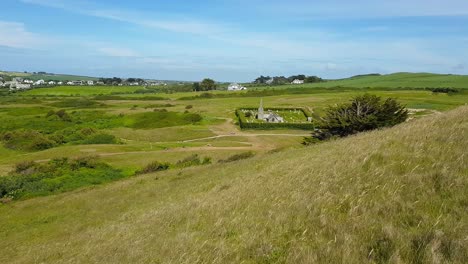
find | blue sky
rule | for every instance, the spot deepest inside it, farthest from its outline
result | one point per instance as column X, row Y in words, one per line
column 233, row 40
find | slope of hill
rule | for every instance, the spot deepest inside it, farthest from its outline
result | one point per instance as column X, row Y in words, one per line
column 49, row 76
column 398, row 195
column 402, row 80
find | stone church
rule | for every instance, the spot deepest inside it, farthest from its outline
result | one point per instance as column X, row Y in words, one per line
column 270, row 116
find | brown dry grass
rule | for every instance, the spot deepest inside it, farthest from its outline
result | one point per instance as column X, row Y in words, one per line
column 398, row 195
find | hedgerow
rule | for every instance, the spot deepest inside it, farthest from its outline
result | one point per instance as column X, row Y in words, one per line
column 246, row 125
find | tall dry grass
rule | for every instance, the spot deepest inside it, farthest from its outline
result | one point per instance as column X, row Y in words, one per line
column 398, row 195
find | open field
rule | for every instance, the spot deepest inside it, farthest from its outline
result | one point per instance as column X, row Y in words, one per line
column 55, row 77
column 305, row 198
column 383, row 196
column 395, row 80
column 82, row 90
column 126, row 118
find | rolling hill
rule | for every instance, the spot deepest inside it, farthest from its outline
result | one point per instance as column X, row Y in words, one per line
column 394, row 195
column 48, row 76
column 400, row 80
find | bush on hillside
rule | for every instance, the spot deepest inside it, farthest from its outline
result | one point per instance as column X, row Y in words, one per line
column 28, row 140
column 32, row 179
column 363, row 113
column 153, row 167
column 193, row 160
column 445, row 90
column 237, row 157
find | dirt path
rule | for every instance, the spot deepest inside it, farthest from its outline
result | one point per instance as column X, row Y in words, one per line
column 246, row 135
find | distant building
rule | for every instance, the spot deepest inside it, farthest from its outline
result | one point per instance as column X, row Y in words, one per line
column 270, row 81
column 297, row 81
column 60, row 83
column 21, row 86
column 99, row 83
column 77, row 82
column 39, row 82
column 28, row 81
column 18, row 79
column 90, row 82
column 236, row 87
column 15, row 86
column 51, row 83
column 70, row 83
column 270, row 117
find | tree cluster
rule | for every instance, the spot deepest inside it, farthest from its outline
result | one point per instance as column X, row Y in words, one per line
column 278, row 80
column 205, row 85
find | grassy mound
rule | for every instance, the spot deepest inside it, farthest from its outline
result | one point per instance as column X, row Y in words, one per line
column 395, row 195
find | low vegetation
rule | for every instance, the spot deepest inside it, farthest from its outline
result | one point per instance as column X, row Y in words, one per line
column 32, row 179
column 362, row 113
column 236, row 157
column 390, row 195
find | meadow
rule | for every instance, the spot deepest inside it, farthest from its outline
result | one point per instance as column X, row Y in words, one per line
column 173, row 178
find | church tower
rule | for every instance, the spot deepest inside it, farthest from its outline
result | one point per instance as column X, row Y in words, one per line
column 261, row 114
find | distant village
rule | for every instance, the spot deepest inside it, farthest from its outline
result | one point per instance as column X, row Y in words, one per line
column 19, row 84
column 25, row 83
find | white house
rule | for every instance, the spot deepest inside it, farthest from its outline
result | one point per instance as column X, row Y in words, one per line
column 69, row 83
column 77, row 83
column 297, row 81
column 60, row 83
column 21, row 86
column 90, row 82
column 236, row 87
column 28, row 81
column 40, row 82
column 51, row 83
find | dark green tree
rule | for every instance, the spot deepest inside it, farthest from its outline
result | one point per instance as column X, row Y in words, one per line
column 208, row 85
column 196, row 87
column 362, row 113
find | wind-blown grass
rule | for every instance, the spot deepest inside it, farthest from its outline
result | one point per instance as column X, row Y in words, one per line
column 395, row 195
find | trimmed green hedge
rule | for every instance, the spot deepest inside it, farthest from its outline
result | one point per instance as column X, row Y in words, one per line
column 245, row 125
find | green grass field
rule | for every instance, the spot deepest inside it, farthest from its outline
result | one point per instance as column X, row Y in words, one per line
column 396, row 195
column 383, row 196
column 82, row 90
column 395, row 80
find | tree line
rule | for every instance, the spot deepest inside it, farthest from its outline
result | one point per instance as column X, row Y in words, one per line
column 278, row 80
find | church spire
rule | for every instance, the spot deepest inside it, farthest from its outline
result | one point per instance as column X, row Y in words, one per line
column 260, row 110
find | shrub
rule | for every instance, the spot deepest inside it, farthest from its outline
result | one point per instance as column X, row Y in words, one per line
column 240, row 156
column 363, row 113
column 445, row 90
column 189, row 107
column 193, row 160
column 153, row 167
column 100, row 138
column 59, row 175
column 28, row 140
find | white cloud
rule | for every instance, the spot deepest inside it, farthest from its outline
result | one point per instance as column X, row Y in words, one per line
column 178, row 23
column 366, row 8
column 118, row 52
column 15, row 35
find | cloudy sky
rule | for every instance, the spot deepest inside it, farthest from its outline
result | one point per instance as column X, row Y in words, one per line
column 233, row 40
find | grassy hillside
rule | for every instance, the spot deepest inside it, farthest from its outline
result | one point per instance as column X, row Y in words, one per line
column 398, row 195
column 396, row 80
column 55, row 77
